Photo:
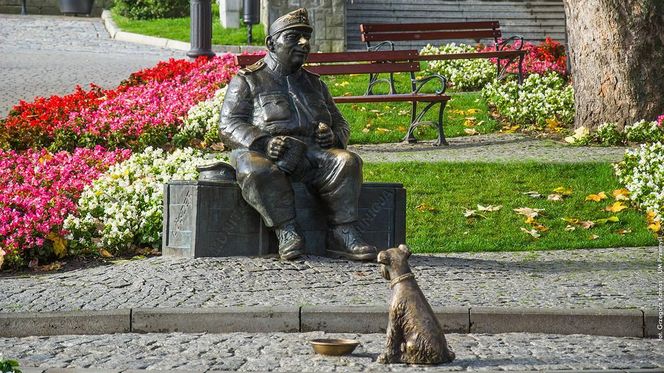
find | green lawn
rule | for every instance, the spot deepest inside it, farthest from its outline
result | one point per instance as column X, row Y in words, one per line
column 179, row 29
column 388, row 122
column 438, row 194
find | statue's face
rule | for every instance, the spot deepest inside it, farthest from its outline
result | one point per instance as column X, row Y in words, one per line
column 291, row 47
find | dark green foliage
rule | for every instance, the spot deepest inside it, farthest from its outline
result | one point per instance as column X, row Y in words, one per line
column 152, row 9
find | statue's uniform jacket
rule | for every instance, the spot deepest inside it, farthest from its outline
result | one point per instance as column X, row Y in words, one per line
column 264, row 101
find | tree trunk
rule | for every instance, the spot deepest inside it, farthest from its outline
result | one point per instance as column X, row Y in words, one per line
column 617, row 60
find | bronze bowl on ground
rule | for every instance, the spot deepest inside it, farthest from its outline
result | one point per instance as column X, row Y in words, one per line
column 334, row 347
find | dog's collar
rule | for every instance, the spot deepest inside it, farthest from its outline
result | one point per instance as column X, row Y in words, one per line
column 403, row 277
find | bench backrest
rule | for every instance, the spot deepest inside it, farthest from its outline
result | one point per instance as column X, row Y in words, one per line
column 341, row 63
column 379, row 32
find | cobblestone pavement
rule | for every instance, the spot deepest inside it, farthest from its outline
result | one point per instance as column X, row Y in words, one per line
column 292, row 353
column 50, row 55
column 600, row 278
column 489, row 148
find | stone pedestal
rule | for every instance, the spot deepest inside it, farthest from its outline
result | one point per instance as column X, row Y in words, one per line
column 211, row 219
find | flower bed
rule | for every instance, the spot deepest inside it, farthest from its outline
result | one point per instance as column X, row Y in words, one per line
column 123, row 209
column 40, row 189
column 548, row 56
column 609, row 134
column 538, row 100
column 642, row 173
column 146, row 110
column 466, row 74
column 42, row 186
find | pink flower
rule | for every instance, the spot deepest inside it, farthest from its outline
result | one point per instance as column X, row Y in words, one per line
column 41, row 188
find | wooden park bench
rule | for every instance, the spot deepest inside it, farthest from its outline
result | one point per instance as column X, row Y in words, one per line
column 387, row 34
column 400, row 61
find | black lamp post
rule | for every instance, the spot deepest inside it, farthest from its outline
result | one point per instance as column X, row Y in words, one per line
column 201, row 29
column 251, row 16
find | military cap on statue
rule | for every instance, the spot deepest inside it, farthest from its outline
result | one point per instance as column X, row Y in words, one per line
column 298, row 18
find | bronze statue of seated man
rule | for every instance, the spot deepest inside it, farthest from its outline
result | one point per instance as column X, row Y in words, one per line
column 284, row 127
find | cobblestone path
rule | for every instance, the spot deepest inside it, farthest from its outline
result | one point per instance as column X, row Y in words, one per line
column 47, row 55
column 603, row 278
column 275, row 352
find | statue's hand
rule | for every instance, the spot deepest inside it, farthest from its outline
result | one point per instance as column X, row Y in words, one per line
column 276, row 147
column 324, row 136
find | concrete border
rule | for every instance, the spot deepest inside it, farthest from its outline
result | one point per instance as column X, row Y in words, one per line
column 371, row 319
column 332, row 319
column 617, row 323
column 217, row 320
column 60, row 323
column 116, row 33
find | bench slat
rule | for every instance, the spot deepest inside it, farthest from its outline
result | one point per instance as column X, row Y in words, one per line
column 400, row 27
column 391, row 98
column 399, row 55
column 469, row 55
column 441, row 35
column 364, row 68
column 377, row 56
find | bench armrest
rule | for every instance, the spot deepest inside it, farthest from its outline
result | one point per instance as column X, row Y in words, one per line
column 380, row 45
column 513, row 39
column 419, row 83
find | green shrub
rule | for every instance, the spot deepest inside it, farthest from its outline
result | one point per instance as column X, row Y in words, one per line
column 151, row 9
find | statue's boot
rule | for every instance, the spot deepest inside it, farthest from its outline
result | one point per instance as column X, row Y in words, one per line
column 345, row 241
column 291, row 243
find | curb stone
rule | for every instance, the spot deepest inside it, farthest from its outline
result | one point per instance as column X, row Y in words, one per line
column 59, row 323
column 616, row 323
column 342, row 319
column 217, row 320
column 116, row 33
column 372, row 319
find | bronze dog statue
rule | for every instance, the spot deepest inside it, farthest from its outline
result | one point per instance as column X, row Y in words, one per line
column 414, row 335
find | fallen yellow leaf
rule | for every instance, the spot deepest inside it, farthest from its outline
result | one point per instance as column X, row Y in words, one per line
column 596, row 197
column 470, row 131
column 656, row 227
column 571, row 220
column 528, row 212
column 570, row 228
column 623, row 232
column 616, row 207
column 532, row 194
column 587, row 224
column 534, row 233
column 489, row 208
column 564, row 191
column 104, row 253
column 593, row 237
column 610, row 219
column 383, row 130
column 540, row 227
column 59, row 245
column 472, row 111
column 425, row 207
column 555, row 197
column 510, row 129
column 621, row 194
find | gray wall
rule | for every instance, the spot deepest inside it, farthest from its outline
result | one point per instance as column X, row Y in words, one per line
column 327, row 17
column 532, row 19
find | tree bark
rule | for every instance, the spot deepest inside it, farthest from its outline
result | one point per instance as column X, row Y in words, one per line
column 617, row 60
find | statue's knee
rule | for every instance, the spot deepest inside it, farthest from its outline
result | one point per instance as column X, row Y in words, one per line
column 263, row 174
column 348, row 160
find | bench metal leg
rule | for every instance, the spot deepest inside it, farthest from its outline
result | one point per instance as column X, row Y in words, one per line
column 373, row 80
column 416, row 121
